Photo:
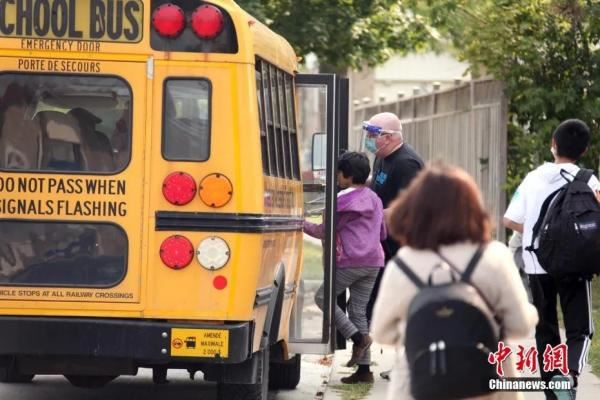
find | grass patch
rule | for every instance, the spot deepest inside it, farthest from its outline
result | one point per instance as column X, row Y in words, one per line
column 594, row 358
column 315, row 219
column 313, row 261
column 353, row 392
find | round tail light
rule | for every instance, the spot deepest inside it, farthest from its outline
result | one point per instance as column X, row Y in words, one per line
column 168, row 20
column 179, row 188
column 176, row 252
column 220, row 282
column 207, row 22
column 216, row 190
column 213, row 253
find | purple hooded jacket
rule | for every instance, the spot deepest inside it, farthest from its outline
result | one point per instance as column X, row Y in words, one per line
column 360, row 229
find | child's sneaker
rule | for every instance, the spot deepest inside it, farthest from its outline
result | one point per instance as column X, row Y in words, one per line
column 564, row 394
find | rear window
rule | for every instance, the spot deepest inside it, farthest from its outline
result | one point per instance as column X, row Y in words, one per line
column 64, row 123
column 62, row 254
column 186, row 129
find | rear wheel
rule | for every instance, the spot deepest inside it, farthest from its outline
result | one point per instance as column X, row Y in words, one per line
column 10, row 374
column 254, row 391
column 159, row 375
column 285, row 374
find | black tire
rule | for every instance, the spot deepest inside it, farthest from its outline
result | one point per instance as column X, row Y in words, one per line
column 256, row 391
column 10, row 374
column 159, row 375
column 285, row 374
column 89, row 381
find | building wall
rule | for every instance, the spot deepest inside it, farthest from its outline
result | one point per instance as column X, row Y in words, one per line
column 403, row 74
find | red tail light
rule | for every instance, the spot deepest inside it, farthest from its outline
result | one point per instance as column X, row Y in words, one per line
column 168, row 20
column 207, row 22
column 220, row 282
column 179, row 188
column 176, row 252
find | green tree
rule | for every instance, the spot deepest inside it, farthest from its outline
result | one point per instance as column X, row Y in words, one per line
column 547, row 52
column 343, row 33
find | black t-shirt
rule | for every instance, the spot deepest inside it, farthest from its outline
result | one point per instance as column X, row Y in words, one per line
column 390, row 175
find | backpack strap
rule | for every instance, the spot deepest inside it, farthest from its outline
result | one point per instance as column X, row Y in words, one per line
column 466, row 278
column 466, row 274
column 408, row 272
column 584, row 175
column 538, row 223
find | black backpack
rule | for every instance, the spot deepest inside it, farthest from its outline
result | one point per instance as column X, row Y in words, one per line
column 568, row 229
column 450, row 332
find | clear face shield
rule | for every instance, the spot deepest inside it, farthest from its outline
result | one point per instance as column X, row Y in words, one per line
column 372, row 132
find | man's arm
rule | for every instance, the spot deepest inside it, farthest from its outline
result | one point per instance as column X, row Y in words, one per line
column 510, row 224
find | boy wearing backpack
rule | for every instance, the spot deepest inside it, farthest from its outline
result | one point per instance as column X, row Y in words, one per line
column 547, row 208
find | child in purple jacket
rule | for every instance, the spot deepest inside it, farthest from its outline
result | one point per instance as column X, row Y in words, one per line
column 360, row 230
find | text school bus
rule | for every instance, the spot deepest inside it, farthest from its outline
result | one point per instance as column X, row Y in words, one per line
column 154, row 158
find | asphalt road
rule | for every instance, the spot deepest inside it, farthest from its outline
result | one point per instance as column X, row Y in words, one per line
column 140, row 387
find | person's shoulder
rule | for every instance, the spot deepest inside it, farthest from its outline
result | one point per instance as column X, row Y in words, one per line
column 412, row 153
column 593, row 182
column 369, row 195
column 345, row 192
column 496, row 247
column 496, row 253
column 406, row 151
column 532, row 175
column 406, row 157
column 531, row 183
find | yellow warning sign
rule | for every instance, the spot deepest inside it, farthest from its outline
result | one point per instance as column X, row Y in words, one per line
column 199, row 343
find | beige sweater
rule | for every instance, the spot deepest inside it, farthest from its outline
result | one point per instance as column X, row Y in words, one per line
column 496, row 277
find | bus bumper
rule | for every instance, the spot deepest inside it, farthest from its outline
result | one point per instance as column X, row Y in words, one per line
column 144, row 341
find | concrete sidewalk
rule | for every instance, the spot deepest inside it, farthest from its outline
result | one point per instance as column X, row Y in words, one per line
column 383, row 358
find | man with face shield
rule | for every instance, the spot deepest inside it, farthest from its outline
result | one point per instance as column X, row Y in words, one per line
column 396, row 164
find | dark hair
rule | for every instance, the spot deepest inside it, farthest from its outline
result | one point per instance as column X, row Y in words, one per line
column 441, row 206
column 572, row 138
column 355, row 165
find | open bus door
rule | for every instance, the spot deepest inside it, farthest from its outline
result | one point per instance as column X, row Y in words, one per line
column 323, row 130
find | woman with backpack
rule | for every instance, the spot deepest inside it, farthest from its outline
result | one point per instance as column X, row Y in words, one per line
column 450, row 294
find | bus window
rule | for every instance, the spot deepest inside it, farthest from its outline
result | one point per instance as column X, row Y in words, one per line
column 62, row 123
column 186, row 130
column 60, row 254
column 261, row 116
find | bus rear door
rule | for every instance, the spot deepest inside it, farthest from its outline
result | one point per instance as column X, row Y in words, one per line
column 72, row 139
column 322, row 100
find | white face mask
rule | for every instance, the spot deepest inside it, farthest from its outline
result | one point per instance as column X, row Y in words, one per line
column 553, row 150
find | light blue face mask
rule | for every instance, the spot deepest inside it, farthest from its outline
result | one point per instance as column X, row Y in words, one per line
column 370, row 144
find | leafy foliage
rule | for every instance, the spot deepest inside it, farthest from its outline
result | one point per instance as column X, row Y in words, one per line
column 343, row 33
column 547, row 52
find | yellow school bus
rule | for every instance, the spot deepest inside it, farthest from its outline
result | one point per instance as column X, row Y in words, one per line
column 157, row 158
